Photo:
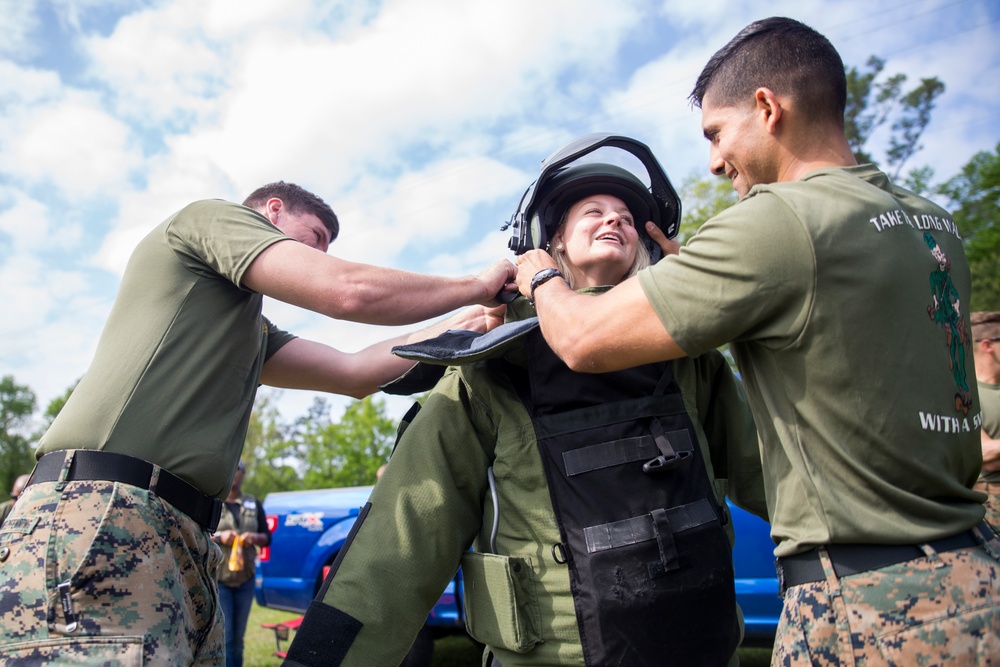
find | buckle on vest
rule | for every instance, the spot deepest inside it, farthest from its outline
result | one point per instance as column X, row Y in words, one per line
column 663, row 464
column 670, row 457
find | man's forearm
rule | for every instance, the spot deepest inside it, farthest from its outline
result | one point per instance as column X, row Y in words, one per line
column 296, row 274
column 602, row 333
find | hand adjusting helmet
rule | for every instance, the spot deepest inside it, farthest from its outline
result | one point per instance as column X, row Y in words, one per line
column 597, row 163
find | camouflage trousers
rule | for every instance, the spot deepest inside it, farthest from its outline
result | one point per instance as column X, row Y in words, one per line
column 942, row 609
column 992, row 504
column 101, row 573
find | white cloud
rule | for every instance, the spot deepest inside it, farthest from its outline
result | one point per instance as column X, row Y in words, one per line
column 26, row 223
column 419, row 72
column 53, row 318
column 175, row 180
column 18, row 20
column 420, row 210
column 73, row 144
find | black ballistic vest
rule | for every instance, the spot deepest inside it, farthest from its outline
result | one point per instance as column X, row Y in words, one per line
column 650, row 564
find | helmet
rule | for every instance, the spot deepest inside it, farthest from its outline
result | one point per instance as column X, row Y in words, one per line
column 596, row 164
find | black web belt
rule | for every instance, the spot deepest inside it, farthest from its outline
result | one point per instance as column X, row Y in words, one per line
column 96, row 465
column 851, row 559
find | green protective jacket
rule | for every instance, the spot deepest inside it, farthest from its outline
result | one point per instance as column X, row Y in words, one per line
column 434, row 502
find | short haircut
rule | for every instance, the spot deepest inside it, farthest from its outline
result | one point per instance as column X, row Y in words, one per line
column 985, row 324
column 784, row 55
column 298, row 200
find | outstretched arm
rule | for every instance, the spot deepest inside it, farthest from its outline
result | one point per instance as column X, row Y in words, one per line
column 297, row 274
column 306, row 364
column 596, row 334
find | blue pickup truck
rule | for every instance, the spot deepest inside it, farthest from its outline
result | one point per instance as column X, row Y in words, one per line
column 310, row 527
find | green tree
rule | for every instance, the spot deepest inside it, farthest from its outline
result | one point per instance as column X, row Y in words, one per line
column 871, row 103
column 17, row 407
column 346, row 452
column 270, row 454
column 974, row 196
column 55, row 407
column 703, row 198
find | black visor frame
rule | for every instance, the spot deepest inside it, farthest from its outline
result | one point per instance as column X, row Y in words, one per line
column 523, row 238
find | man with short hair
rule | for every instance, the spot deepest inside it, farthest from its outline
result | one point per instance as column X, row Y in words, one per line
column 986, row 352
column 843, row 299
column 131, row 475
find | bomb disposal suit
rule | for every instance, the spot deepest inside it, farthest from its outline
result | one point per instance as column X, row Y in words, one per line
column 594, row 504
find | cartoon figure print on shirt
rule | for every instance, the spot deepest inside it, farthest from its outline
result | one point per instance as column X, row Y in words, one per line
column 946, row 311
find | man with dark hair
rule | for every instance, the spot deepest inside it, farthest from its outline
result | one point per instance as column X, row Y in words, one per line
column 986, row 352
column 822, row 281
column 298, row 200
column 784, row 56
column 108, row 555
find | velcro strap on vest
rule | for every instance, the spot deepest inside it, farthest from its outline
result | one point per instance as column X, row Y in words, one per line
column 643, row 528
column 607, row 454
column 665, row 544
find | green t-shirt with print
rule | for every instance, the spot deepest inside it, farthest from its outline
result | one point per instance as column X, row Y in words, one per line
column 177, row 366
column 841, row 296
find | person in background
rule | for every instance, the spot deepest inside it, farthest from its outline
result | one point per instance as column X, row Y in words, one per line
column 15, row 491
column 986, row 353
column 132, row 474
column 242, row 526
column 844, row 300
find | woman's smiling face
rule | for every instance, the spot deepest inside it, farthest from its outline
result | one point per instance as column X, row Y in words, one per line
column 600, row 240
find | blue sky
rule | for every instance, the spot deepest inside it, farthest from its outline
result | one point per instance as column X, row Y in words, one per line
column 420, row 121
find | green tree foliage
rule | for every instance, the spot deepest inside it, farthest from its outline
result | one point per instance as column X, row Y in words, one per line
column 871, row 103
column 17, row 407
column 271, row 456
column 975, row 202
column 55, row 407
column 346, row 452
column 868, row 104
column 701, row 199
column 916, row 108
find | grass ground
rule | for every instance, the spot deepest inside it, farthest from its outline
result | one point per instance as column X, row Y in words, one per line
column 454, row 651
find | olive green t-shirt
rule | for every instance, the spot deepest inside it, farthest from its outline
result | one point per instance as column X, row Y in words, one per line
column 845, row 301
column 177, row 366
column 989, row 395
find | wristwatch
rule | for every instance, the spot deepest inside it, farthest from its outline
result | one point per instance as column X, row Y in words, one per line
column 540, row 278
